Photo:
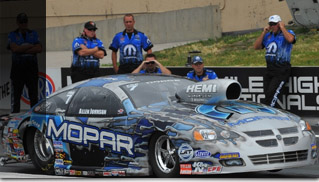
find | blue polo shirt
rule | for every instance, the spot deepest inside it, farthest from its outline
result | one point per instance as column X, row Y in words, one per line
column 86, row 62
column 278, row 50
column 131, row 48
column 207, row 72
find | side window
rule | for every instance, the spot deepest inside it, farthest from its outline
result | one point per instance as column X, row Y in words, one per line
column 96, row 102
column 55, row 104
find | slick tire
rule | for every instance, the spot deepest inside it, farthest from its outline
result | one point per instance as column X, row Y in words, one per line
column 40, row 150
column 163, row 156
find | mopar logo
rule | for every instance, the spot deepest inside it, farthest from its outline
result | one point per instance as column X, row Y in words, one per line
column 129, row 50
column 185, row 152
column 79, row 134
column 201, row 88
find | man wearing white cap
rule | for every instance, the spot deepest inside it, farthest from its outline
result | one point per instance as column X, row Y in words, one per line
column 278, row 43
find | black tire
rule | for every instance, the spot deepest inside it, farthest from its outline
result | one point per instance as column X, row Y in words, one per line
column 40, row 150
column 163, row 156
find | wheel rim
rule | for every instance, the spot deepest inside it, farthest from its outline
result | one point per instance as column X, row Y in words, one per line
column 165, row 154
column 43, row 146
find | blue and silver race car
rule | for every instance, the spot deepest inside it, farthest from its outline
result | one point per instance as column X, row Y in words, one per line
column 137, row 125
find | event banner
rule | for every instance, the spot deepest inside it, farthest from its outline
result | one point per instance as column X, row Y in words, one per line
column 300, row 94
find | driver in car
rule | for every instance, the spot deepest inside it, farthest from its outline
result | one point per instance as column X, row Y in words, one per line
column 200, row 73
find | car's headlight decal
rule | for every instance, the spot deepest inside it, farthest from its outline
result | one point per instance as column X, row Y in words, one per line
column 305, row 126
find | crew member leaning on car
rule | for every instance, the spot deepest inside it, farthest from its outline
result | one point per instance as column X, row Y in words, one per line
column 87, row 52
column 200, row 73
column 151, row 65
column 24, row 45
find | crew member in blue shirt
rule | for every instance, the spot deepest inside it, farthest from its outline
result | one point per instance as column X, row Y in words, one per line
column 151, row 65
column 24, row 45
column 131, row 44
column 278, row 42
column 200, row 73
column 87, row 52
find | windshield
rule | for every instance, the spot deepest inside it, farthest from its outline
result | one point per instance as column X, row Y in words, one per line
column 154, row 91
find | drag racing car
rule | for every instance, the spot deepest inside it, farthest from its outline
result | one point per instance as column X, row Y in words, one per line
column 166, row 126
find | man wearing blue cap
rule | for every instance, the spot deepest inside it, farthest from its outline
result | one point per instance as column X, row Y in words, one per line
column 277, row 41
column 200, row 73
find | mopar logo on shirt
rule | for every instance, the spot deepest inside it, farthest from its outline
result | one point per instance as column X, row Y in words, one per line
column 79, row 134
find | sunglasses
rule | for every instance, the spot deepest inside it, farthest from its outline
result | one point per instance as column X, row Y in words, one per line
column 150, row 62
column 272, row 24
column 92, row 29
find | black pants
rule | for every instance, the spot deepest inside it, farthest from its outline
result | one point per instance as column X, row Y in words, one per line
column 127, row 68
column 78, row 75
column 17, row 85
column 274, row 81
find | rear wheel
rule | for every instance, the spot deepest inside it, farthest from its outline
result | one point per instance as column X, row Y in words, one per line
column 40, row 150
column 163, row 156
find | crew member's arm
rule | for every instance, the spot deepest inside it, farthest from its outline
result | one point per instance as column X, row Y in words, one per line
column 114, row 61
column 84, row 51
column 288, row 36
column 163, row 68
column 139, row 68
column 99, row 54
column 37, row 48
column 259, row 42
column 20, row 48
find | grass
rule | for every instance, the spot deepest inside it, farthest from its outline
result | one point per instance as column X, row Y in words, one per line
column 237, row 50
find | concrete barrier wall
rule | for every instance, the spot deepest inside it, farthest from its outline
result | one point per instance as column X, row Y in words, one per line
column 172, row 26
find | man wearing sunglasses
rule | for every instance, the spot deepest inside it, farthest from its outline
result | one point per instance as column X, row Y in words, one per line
column 151, row 65
column 200, row 73
column 87, row 52
column 278, row 42
column 24, row 45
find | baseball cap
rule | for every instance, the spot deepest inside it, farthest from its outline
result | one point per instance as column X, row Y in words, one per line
column 274, row 18
column 22, row 18
column 90, row 25
column 197, row 59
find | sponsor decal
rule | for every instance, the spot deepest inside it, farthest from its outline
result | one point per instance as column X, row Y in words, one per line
column 67, row 162
column 185, row 152
column 201, row 88
column 80, row 134
column 92, row 111
column 256, row 118
column 120, row 111
column 229, row 155
column 202, row 153
column 199, row 167
column 107, row 173
column 72, row 172
column 313, row 146
column 185, row 169
column 46, row 88
column 59, row 161
column 59, row 155
column 214, row 169
column 78, row 173
column 59, row 171
column 58, row 144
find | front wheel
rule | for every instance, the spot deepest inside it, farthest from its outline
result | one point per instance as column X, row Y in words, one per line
column 163, row 156
column 40, row 150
